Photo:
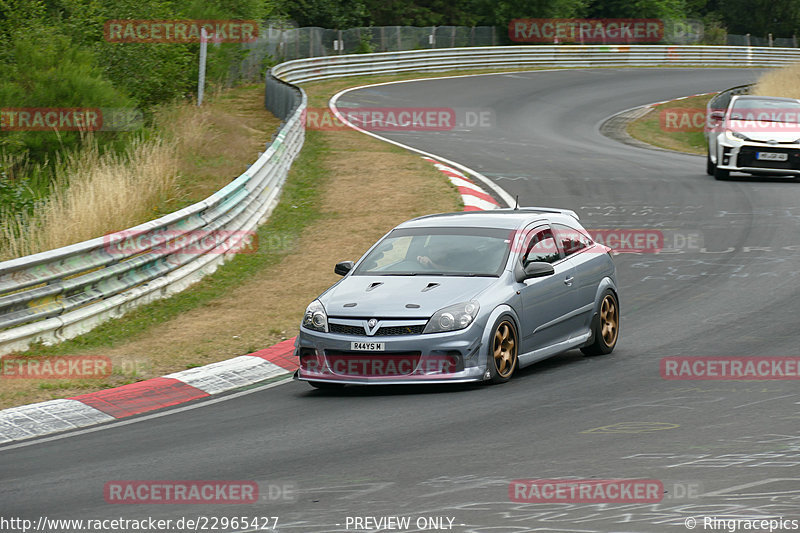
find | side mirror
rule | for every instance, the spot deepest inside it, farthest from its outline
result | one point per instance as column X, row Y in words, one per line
column 535, row 269
column 343, row 267
column 717, row 116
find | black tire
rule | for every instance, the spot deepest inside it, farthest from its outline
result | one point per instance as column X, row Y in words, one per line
column 710, row 166
column 721, row 175
column 605, row 326
column 326, row 385
column 503, row 350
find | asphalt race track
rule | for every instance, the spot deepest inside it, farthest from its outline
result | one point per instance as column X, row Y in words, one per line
column 728, row 286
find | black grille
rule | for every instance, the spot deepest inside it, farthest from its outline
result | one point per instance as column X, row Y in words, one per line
column 401, row 330
column 347, row 330
column 747, row 158
column 388, row 331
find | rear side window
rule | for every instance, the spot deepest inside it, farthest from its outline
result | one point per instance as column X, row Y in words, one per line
column 571, row 240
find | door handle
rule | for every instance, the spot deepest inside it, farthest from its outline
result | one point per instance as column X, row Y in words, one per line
column 568, row 281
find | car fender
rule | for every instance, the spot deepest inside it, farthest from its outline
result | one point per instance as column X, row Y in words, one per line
column 486, row 337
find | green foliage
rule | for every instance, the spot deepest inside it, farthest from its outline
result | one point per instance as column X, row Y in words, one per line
column 53, row 53
column 15, row 196
column 46, row 70
column 638, row 9
column 365, row 44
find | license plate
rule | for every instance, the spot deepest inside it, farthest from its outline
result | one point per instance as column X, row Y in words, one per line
column 772, row 156
column 368, row 346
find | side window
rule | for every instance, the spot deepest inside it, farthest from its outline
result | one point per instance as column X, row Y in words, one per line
column 540, row 246
column 571, row 240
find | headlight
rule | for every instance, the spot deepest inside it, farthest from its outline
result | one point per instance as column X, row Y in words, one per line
column 315, row 317
column 453, row 318
column 734, row 135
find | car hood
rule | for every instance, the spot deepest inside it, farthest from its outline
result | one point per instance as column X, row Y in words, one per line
column 757, row 131
column 389, row 296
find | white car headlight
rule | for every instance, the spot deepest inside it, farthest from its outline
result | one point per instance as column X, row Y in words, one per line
column 735, row 135
column 315, row 317
column 453, row 317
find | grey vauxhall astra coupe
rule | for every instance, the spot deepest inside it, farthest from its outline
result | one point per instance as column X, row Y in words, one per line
column 462, row 297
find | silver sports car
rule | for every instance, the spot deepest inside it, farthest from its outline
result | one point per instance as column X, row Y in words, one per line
column 462, row 297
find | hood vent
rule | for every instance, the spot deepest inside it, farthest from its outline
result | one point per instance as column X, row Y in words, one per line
column 430, row 286
column 374, row 285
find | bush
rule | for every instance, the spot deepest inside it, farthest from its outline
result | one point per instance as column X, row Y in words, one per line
column 46, row 70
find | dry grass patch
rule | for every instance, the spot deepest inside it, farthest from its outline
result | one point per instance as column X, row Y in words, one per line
column 95, row 194
column 784, row 81
column 220, row 140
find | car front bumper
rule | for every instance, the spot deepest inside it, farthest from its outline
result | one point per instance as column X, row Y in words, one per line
column 451, row 357
column 741, row 157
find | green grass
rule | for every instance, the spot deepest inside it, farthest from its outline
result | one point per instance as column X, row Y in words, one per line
column 649, row 128
column 298, row 207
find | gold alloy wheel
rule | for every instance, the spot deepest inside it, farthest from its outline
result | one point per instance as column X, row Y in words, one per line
column 609, row 320
column 505, row 349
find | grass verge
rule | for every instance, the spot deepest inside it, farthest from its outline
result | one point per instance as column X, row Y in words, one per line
column 675, row 125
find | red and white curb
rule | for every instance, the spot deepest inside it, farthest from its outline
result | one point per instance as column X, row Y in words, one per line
column 474, row 197
column 44, row 418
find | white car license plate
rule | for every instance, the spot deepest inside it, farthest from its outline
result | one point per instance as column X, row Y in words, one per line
column 772, row 156
column 368, row 346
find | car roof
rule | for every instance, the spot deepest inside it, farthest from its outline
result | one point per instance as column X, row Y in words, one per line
column 495, row 218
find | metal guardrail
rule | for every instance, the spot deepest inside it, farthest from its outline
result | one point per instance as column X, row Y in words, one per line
column 569, row 56
column 720, row 101
column 59, row 294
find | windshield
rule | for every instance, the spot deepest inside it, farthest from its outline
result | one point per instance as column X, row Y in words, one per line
column 439, row 252
column 766, row 111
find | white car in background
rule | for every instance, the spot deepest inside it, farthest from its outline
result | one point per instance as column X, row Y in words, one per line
column 758, row 135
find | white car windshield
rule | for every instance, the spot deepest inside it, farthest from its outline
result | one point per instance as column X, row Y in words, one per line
column 752, row 110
